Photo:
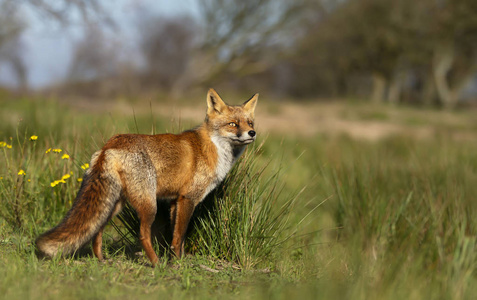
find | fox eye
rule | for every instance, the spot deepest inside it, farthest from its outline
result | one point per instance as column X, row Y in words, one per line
column 250, row 124
column 233, row 124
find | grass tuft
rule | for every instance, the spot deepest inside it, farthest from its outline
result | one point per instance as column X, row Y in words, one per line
column 246, row 223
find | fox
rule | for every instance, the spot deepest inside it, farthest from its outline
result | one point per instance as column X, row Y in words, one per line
column 143, row 169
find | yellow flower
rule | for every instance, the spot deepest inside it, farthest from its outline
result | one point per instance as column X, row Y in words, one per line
column 85, row 166
column 56, row 150
column 48, row 151
column 33, row 138
column 4, row 144
column 66, row 176
column 65, row 156
column 79, row 179
column 56, row 182
column 21, row 172
column 29, row 180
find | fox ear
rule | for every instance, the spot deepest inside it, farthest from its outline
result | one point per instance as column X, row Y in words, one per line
column 250, row 104
column 214, row 102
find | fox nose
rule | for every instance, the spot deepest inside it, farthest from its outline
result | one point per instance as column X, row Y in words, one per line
column 251, row 133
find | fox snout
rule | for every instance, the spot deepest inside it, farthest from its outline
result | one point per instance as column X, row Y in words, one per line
column 245, row 137
column 247, row 134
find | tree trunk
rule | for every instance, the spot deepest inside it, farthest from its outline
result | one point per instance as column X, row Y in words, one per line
column 379, row 88
column 444, row 56
column 394, row 94
column 444, row 59
column 20, row 71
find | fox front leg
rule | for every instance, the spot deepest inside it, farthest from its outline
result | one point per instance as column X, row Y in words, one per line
column 181, row 212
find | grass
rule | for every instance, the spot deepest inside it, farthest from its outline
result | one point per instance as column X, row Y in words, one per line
column 244, row 222
column 389, row 219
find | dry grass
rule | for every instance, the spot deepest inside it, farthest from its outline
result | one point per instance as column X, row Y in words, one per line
column 357, row 120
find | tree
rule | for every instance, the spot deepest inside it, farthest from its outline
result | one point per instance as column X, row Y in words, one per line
column 11, row 28
column 166, row 46
column 454, row 36
column 94, row 56
column 427, row 47
column 238, row 38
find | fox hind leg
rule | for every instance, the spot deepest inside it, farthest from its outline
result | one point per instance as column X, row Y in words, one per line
column 98, row 238
column 139, row 183
column 97, row 244
column 146, row 210
column 146, row 207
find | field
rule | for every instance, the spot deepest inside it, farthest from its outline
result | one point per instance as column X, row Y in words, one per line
column 336, row 200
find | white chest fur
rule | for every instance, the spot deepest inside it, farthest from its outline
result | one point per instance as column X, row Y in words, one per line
column 225, row 158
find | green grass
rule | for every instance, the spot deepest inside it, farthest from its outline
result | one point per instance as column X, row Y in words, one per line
column 388, row 219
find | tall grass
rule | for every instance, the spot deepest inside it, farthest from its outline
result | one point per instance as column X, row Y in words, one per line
column 36, row 182
column 246, row 223
column 409, row 209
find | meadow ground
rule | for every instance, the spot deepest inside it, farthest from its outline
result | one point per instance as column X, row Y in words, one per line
column 339, row 200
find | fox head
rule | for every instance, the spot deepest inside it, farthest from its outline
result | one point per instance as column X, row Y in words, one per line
column 234, row 123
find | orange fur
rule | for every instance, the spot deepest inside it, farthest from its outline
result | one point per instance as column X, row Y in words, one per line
column 181, row 167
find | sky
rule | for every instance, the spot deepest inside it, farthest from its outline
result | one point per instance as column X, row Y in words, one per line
column 47, row 46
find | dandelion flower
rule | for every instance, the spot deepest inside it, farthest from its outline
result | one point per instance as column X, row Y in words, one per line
column 65, row 156
column 79, row 179
column 48, row 151
column 66, row 176
column 4, row 144
column 33, row 138
column 21, row 172
column 53, row 184
column 56, row 150
column 85, row 166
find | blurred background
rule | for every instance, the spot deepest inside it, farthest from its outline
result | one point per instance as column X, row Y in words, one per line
column 422, row 53
column 366, row 122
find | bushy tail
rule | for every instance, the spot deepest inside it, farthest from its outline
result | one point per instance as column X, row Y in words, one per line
column 91, row 209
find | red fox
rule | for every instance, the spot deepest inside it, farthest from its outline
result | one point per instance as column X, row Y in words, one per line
column 182, row 168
